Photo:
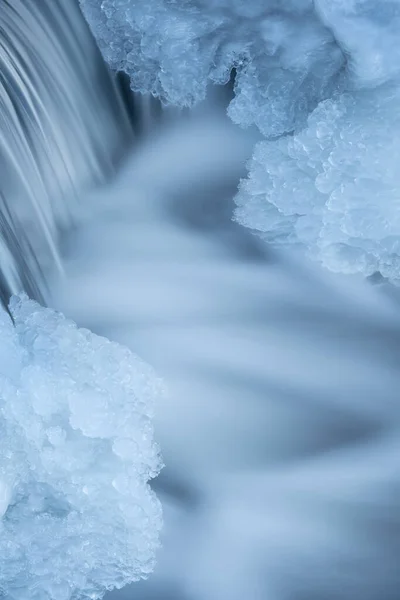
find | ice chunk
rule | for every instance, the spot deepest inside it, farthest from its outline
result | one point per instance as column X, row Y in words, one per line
column 287, row 55
column 285, row 58
column 77, row 516
column 333, row 188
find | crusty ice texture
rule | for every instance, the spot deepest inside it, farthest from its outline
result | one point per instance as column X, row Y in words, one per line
column 333, row 188
column 76, row 454
column 288, row 55
column 285, row 58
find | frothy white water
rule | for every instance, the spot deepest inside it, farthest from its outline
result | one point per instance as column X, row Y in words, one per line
column 279, row 431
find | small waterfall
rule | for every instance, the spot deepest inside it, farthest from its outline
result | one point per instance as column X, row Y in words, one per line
column 63, row 124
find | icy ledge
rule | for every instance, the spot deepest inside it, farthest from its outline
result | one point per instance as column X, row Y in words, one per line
column 77, row 516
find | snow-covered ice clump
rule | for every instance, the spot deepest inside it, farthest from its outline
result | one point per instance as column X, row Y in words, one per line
column 285, row 58
column 77, row 516
column 330, row 186
column 334, row 187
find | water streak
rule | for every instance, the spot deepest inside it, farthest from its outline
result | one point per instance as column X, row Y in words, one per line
column 62, row 125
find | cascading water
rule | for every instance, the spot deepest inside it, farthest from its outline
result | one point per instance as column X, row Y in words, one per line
column 62, row 127
column 280, row 428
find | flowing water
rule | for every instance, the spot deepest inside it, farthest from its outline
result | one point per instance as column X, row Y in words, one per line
column 280, row 428
column 62, row 127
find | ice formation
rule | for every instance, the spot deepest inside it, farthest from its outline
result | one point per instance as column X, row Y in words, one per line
column 284, row 57
column 332, row 187
column 77, row 516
